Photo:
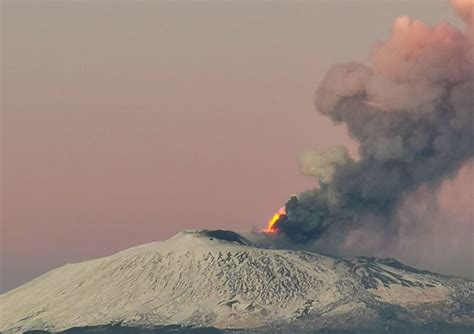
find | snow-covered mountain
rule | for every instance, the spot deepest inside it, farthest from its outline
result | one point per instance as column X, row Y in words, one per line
column 220, row 279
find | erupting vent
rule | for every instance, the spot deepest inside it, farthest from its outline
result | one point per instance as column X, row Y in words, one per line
column 272, row 225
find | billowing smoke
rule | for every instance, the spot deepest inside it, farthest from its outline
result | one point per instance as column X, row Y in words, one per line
column 323, row 165
column 411, row 111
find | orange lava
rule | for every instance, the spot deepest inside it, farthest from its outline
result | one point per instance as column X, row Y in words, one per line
column 271, row 228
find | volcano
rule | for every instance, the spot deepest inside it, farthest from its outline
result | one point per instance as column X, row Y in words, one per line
column 221, row 280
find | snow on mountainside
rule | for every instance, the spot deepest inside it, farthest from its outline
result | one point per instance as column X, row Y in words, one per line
column 220, row 279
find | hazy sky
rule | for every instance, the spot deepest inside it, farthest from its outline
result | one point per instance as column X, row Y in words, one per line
column 126, row 122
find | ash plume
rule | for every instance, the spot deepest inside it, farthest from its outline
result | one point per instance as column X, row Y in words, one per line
column 411, row 110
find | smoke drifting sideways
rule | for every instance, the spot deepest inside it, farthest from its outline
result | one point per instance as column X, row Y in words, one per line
column 411, row 111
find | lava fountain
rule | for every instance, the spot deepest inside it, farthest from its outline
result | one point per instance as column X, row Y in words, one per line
column 271, row 225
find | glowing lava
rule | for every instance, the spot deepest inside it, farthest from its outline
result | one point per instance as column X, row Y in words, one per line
column 271, row 228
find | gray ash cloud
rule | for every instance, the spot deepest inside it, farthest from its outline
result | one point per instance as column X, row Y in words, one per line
column 411, row 111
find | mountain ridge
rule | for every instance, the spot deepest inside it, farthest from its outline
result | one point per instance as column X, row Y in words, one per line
column 220, row 279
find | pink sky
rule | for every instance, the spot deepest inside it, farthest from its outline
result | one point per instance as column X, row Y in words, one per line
column 126, row 122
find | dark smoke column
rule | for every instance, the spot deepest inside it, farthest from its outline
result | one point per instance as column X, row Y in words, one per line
column 412, row 113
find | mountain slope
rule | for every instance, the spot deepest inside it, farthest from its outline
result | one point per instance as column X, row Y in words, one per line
column 219, row 279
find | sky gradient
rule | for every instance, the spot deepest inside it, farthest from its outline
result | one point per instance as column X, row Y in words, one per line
column 126, row 122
